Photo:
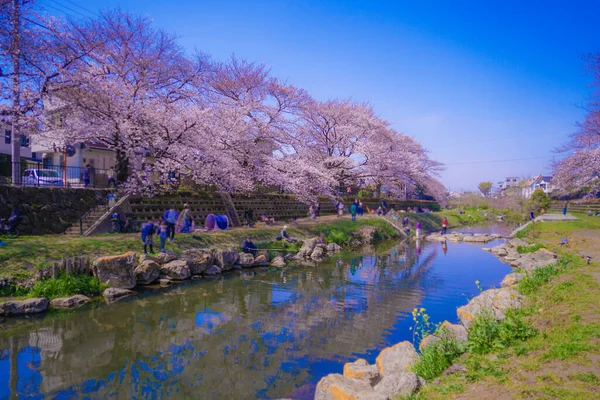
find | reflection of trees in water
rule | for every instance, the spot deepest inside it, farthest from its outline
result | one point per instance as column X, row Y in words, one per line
column 246, row 346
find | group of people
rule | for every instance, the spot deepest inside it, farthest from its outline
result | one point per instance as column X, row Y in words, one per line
column 314, row 210
column 356, row 208
column 165, row 229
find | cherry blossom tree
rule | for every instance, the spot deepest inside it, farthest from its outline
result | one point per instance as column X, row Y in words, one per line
column 580, row 170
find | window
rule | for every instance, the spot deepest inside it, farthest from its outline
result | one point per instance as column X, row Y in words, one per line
column 24, row 140
column 7, row 135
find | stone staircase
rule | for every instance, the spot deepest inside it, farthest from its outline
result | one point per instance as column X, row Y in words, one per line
column 88, row 221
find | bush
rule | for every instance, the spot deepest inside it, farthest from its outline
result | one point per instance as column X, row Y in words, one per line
column 486, row 334
column 280, row 248
column 437, row 357
column 364, row 194
column 13, row 291
column 67, row 285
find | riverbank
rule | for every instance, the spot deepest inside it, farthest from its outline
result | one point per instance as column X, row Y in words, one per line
column 559, row 358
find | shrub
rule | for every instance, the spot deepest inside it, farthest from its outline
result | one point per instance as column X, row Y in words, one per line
column 364, row 194
column 67, row 285
column 437, row 357
column 13, row 291
column 486, row 334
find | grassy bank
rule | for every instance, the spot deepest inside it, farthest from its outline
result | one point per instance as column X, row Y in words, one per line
column 21, row 257
column 550, row 348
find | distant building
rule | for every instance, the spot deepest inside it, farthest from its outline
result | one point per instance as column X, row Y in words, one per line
column 528, row 186
column 509, row 182
column 5, row 144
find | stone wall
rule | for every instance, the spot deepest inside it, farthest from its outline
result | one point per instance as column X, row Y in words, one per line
column 46, row 210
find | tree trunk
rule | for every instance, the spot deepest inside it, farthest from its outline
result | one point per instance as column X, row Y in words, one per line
column 16, row 93
column 122, row 167
column 377, row 191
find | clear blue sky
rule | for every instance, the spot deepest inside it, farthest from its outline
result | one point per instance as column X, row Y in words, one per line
column 471, row 81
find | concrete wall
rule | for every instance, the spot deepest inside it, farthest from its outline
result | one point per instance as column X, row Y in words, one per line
column 45, row 210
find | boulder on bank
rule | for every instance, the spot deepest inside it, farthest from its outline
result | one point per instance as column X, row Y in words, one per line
column 308, row 247
column 333, row 248
column 67, row 303
column 225, row 259
column 23, row 307
column 516, row 242
column 456, row 237
column 361, row 370
column 278, row 261
column 147, row 272
column 336, row 387
column 532, row 261
column 116, row 271
column 402, row 384
column 512, row 279
column 446, row 331
column 494, row 302
column 177, row 270
column 165, row 257
column 198, row 260
column 213, row 270
column 261, row 259
column 112, row 295
column 246, row 260
column 319, row 252
column 396, row 359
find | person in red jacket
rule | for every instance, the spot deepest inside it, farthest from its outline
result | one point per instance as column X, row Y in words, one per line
column 444, row 225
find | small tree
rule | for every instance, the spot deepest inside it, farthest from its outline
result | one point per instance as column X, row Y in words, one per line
column 539, row 201
column 485, row 188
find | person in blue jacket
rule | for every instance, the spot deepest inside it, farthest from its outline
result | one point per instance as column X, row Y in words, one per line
column 170, row 217
column 248, row 246
column 147, row 232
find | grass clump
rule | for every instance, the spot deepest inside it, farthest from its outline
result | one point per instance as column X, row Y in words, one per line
column 67, row 285
column 280, row 248
column 437, row 357
column 486, row 334
column 533, row 281
column 530, row 248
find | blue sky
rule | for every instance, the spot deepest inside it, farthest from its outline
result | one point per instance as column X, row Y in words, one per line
column 472, row 81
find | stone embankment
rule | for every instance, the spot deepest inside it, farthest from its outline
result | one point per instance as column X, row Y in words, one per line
column 125, row 272
column 391, row 375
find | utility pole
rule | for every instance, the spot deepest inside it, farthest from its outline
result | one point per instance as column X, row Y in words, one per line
column 16, row 92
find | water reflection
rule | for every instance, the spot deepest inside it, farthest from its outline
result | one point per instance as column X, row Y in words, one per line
column 266, row 333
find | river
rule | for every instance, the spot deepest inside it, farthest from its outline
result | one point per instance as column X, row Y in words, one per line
column 262, row 333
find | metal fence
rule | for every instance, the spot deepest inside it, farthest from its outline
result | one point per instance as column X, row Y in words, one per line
column 40, row 174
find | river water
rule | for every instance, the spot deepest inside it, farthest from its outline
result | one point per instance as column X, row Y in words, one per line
column 262, row 333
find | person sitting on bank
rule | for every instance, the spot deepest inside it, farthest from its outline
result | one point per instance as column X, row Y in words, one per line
column 147, row 232
column 248, row 246
column 285, row 236
column 267, row 220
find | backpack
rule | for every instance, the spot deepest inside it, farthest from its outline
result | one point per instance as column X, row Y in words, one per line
column 171, row 216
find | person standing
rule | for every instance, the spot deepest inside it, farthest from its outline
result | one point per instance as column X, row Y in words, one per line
column 111, row 178
column 340, row 209
column 186, row 216
column 444, row 225
column 418, row 229
column 353, row 209
column 170, row 219
column 360, row 208
column 163, row 234
column 147, row 232
column 86, row 175
column 565, row 208
column 318, row 209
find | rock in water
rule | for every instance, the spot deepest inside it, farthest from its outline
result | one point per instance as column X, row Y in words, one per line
column 396, row 359
column 318, row 253
column 66, row 303
column 338, row 387
column 333, row 248
column 198, row 260
column 177, row 270
column 21, row 307
column 308, row 247
column 246, row 260
column 403, row 384
column 147, row 272
column 278, row 261
column 116, row 271
column 494, row 302
column 362, row 371
column 226, row 259
column 261, row 258
column 213, row 270
column 112, row 295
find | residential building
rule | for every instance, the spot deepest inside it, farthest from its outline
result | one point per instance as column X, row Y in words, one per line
column 508, row 182
column 528, row 186
column 5, row 144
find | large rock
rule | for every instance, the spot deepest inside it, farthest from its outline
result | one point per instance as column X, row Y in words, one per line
column 246, row 260
column 428, row 341
column 146, row 257
column 261, row 259
column 318, row 253
column 226, row 258
column 338, row 387
column 116, row 271
column 368, row 234
column 66, row 303
column 361, row 370
column 112, row 295
column 147, row 272
column 532, row 261
column 402, row 384
column 512, row 279
column 396, row 359
column 198, row 260
column 177, row 270
column 308, row 247
column 454, row 332
column 477, row 238
column 517, row 242
column 213, row 270
column 165, row 257
column 333, row 248
column 493, row 302
column 21, row 307
column 278, row 261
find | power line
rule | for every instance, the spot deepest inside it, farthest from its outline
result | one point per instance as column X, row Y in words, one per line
column 498, row 161
column 83, row 8
column 497, row 139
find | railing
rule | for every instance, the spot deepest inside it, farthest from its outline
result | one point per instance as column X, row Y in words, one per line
column 103, row 202
column 41, row 174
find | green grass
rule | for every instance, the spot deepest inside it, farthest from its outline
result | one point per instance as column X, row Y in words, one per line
column 530, row 248
column 436, row 357
column 63, row 286
column 533, row 281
